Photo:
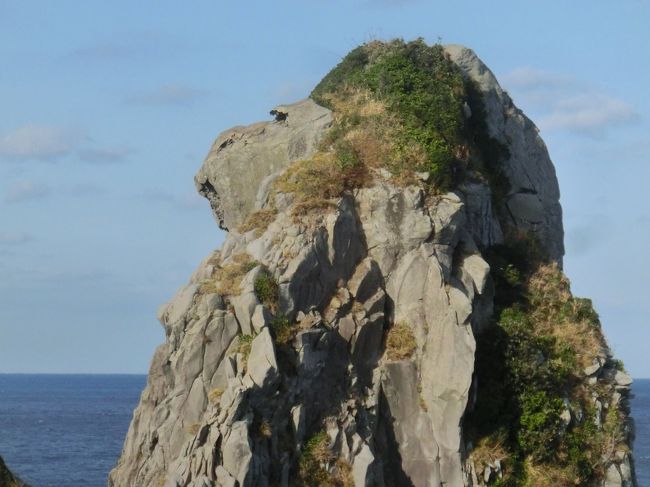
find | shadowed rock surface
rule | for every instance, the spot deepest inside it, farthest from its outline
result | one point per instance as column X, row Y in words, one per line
column 336, row 345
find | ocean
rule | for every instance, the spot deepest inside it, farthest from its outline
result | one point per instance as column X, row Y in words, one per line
column 68, row 430
column 65, row 430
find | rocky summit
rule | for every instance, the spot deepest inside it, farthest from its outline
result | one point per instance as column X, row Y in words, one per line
column 388, row 307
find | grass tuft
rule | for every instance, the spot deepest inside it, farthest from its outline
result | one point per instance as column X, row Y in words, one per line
column 314, row 461
column 226, row 279
column 258, row 221
column 266, row 289
column 215, row 396
column 400, row 342
column 244, row 345
column 283, row 330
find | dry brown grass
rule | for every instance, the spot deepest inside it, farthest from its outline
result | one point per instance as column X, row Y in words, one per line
column 363, row 138
column 321, row 451
column 376, row 140
column 215, row 396
column 244, row 344
column 208, row 287
column 489, row 449
column 258, row 221
column 230, row 275
column 265, row 429
column 400, row 342
column 317, row 180
column 556, row 313
column 343, row 474
column 549, row 475
column 316, row 456
column 548, row 286
column 421, row 401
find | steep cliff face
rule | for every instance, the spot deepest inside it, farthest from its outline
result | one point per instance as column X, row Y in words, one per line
column 388, row 307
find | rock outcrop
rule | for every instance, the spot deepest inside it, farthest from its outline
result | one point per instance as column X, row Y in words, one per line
column 333, row 342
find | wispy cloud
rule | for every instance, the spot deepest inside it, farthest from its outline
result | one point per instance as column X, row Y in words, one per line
column 169, row 94
column 527, row 77
column 589, row 113
column 106, row 155
column 14, row 238
column 49, row 143
column 564, row 103
column 27, row 190
column 24, row 191
column 130, row 46
column 37, row 142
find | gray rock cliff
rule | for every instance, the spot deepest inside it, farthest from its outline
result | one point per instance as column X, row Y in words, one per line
column 361, row 369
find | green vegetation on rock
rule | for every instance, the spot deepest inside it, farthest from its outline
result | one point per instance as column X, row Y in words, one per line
column 283, row 330
column 226, row 279
column 314, row 462
column 266, row 289
column 530, row 365
column 424, row 125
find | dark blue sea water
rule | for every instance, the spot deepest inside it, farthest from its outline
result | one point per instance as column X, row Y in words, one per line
column 65, row 430
column 641, row 414
column 68, row 430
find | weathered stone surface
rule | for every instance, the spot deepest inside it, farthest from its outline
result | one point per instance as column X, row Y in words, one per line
column 481, row 219
column 262, row 366
column 394, row 222
column 237, row 454
column 409, row 422
column 533, row 202
column 238, row 390
column 622, row 379
column 242, row 157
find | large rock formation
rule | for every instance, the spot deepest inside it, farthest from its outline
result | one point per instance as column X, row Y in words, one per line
column 333, row 341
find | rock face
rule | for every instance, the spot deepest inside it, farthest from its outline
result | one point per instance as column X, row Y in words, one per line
column 243, row 161
column 534, row 200
column 244, row 384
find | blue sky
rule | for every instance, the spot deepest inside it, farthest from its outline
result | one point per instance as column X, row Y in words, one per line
column 108, row 108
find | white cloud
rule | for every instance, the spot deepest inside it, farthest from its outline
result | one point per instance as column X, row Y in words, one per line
column 15, row 238
column 170, row 94
column 25, row 190
column 105, row 156
column 529, row 78
column 563, row 103
column 36, row 142
column 590, row 113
